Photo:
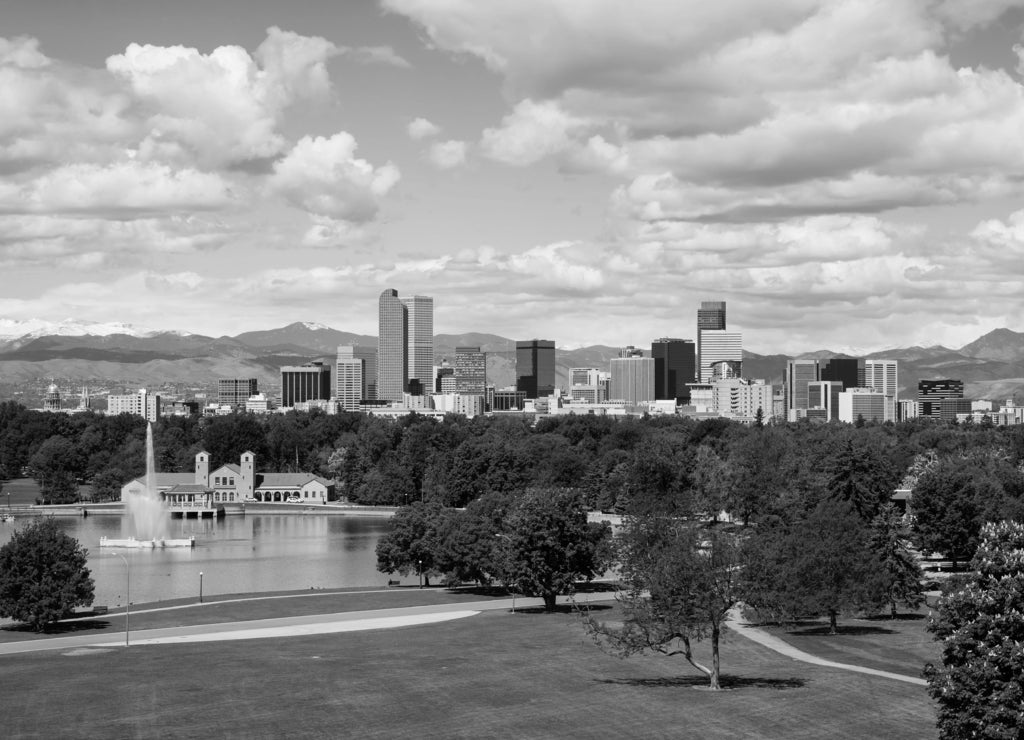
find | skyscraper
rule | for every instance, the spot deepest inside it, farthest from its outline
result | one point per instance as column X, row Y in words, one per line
column 718, row 345
column 846, row 370
column 675, row 362
column 882, row 375
column 710, row 317
column 470, row 371
column 798, row 374
column 420, row 345
column 392, row 347
column 930, row 394
column 632, row 380
column 535, row 367
column 356, row 376
column 235, row 392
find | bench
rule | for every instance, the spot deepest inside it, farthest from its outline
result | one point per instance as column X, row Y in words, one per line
column 394, row 583
column 99, row 610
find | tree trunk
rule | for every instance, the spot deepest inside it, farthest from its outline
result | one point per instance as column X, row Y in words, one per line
column 549, row 601
column 893, row 604
column 832, row 622
column 715, row 663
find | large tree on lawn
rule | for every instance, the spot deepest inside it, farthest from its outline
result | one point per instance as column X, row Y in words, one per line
column 681, row 581
column 43, row 575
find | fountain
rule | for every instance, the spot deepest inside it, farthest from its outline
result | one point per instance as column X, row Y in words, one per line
column 147, row 512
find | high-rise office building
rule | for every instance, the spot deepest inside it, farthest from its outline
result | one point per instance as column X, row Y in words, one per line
column 632, row 380
column 470, row 371
column 823, row 395
column 710, row 317
column 392, row 347
column 846, row 370
column 143, row 403
column 235, row 392
column 883, row 375
column 867, row 404
column 718, row 345
column 931, row 392
column 798, row 374
column 675, row 365
column 301, row 383
column 420, row 347
column 535, row 367
column 355, row 378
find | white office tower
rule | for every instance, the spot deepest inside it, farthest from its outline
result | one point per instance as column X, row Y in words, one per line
column 718, row 345
column 420, row 350
column 632, row 380
column 882, row 375
column 823, row 399
column 865, row 403
column 740, row 399
column 355, row 376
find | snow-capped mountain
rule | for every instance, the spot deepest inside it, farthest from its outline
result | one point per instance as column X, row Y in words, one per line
column 27, row 329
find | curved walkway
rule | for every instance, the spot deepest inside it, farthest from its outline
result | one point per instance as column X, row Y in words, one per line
column 294, row 626
column 740, row 626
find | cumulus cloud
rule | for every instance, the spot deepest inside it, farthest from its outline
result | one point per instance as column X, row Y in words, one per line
column 448, row 154
column 421, row 128
column 22, row 51
column 737, row 100
column 323, row 177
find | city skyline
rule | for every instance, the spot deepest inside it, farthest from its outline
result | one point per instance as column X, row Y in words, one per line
column 197, row 168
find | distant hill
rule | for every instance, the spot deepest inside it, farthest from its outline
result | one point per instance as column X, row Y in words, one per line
column 992, row 366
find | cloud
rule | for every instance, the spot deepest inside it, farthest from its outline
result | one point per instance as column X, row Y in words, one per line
column 529, row 133
column 752, row 109
column 22, row 51
column 323, row 177
column 225, row 106
column 448, row 154
column 421, row 128
column 377, row 55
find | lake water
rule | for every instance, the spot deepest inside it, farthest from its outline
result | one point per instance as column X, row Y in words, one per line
column 235, row 554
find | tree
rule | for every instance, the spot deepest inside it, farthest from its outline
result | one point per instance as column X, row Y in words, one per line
column 57, row 464
column 981, row 626
column 945, row 510
column 43, row 575
column 681, row 581
column 411, row 543
column 900, row 572
column 819, row 565
column 548, row 545
column 863, row 476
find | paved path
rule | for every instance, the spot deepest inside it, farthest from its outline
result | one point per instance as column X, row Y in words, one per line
column 740, row 626
column 287, row 626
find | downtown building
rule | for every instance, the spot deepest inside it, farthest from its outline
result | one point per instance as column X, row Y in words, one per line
column 301, row 384
column 234, row 392
column 799, row 373
column 470, row 371
column 143, row 403
column 535, row 367
column 718, row 346
column 883, row 375
column 867, row 404
column 632, row 380
column 675, row 365
column 355, row 376
column 405, row 346
column 931, row 394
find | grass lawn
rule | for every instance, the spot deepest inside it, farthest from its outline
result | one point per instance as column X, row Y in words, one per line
column 902, row 645
column 493, row 675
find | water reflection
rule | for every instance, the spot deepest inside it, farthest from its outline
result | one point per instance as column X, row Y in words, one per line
column 236, row 554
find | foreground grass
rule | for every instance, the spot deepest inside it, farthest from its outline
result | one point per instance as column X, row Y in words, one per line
column 493, row 675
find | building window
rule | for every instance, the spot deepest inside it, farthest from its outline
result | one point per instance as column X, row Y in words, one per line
column 231, row 481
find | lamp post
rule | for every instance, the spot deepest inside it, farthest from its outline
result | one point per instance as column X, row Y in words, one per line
column 200, row 587
column 419, row 567
column 511, row 588
column 127, row 594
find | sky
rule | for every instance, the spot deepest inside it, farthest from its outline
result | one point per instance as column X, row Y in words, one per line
column 846, row 174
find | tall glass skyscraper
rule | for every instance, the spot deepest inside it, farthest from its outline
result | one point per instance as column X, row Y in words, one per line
column 392, row 343
column 420, row 343
column 535, row 367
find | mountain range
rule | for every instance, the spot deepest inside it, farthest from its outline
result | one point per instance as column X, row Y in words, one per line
column 121, row 355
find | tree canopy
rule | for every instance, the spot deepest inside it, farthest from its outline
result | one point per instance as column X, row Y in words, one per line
column 43, row 575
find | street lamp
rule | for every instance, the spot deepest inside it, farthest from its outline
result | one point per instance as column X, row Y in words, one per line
column 200, row 587
column 509, row 586
column 127, row 594
column 419, row 567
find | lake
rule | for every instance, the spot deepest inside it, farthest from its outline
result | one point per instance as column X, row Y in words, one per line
column 235, row 554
